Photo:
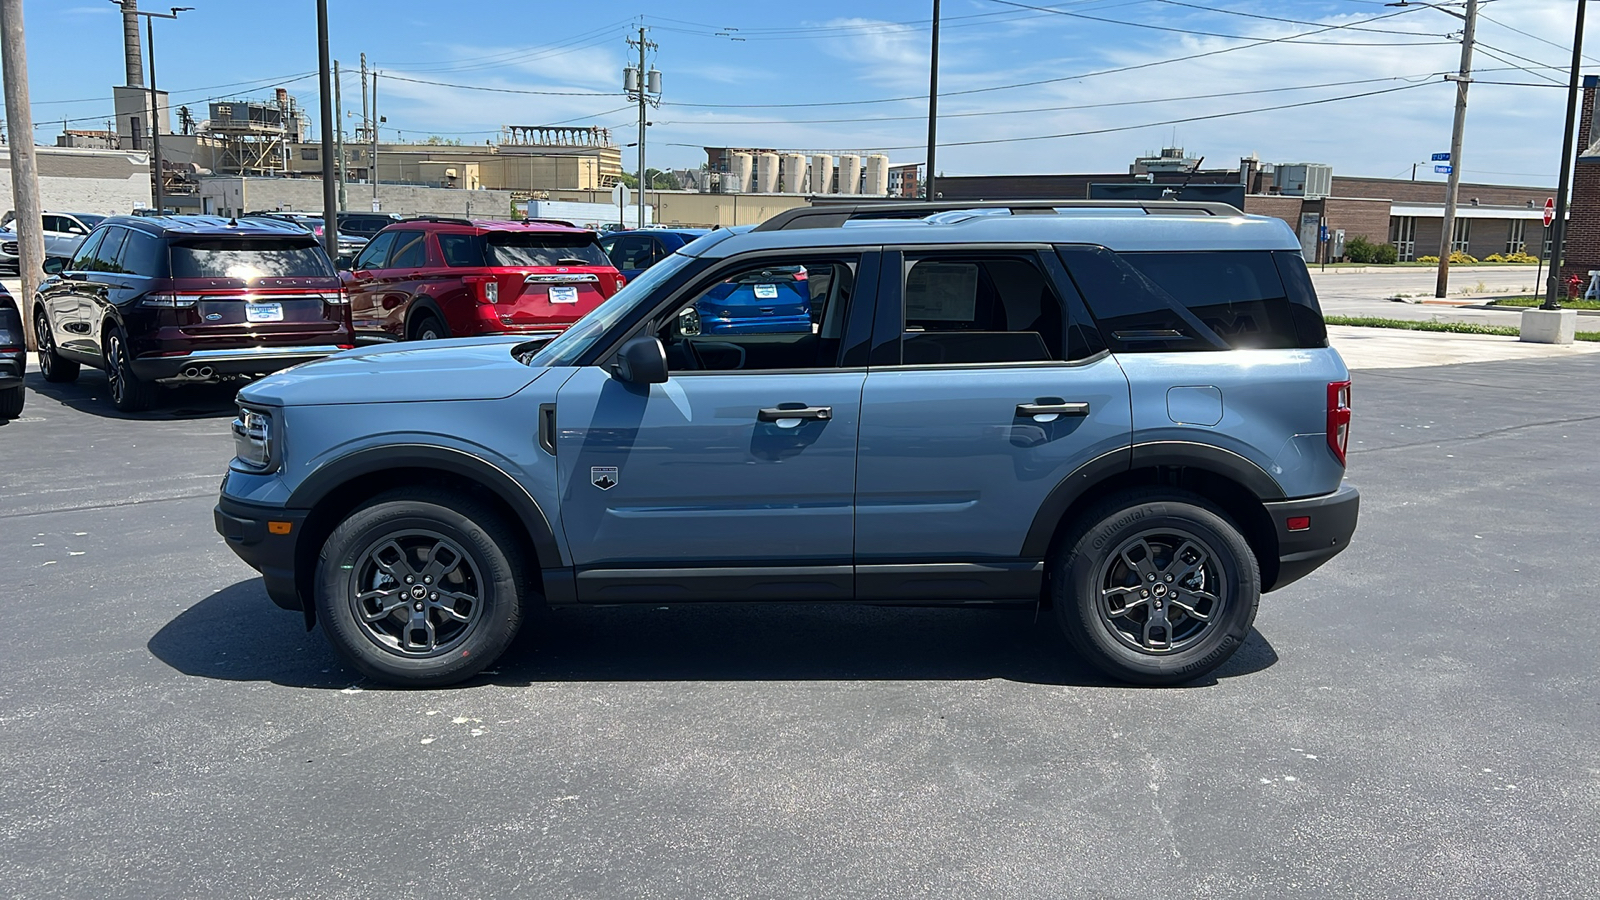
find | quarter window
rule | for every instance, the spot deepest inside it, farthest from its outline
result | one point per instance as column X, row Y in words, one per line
column 144, row 254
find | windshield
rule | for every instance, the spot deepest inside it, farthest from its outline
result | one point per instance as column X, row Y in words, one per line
column 577, row 340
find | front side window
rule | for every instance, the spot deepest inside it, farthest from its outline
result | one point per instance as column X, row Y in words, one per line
column 249, row 258
column 375, row 252
column 1460, row 235
column 583, row 338
column 779, row 313
column 105, row 256
column 979, row 310
column 86, row 253
column 1515, row 240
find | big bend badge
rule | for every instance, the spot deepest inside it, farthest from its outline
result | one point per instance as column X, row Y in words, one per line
column 603, row 477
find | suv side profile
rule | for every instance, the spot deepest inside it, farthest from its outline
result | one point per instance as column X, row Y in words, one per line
column 430, row 278
column 163, row 300
column 1125, row 411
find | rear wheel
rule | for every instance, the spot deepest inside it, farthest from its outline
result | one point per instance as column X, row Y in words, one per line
column 420, row 587
column 52, row 366
column 1156, row 587
column 128, row 392
column 11, row 400
column 428, row 328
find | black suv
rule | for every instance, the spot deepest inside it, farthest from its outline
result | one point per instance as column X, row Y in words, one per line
column 175, row 299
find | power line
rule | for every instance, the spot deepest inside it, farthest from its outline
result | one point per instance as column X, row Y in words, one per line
column 498, row 90
column 1562, row 47
column 277, row 79
column 1488, row 51
column 1236, row 37
column 1235, row 12
column 228, row 96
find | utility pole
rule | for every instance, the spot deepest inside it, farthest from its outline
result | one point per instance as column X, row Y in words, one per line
column 362, row 137
column 1558, row 227
column 24, row 166
column 933, row 107
column 338, row 143
column 372, row 135
column 330, row 191
column 158, row 194
column 645, row 87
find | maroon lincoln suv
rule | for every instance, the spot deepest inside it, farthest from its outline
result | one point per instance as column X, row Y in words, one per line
column 158, row 300
column 435, row 277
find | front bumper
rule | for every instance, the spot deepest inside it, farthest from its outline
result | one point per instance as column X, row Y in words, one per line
column 1331, row 520
column 235, row 361
column 253, row 533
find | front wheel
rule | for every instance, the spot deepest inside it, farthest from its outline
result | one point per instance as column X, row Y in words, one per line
column 1156, row 587
column 421, row 587
column 54, row 368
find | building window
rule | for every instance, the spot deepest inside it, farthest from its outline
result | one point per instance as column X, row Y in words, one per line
column 1515, row 242
column 1548, row 237
column 1460, row 235
column 1403, row 234
column 309, row 154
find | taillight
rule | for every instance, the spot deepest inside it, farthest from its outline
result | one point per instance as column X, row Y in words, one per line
column 1339, row 418
column 488, row 287
column 620, row 282
column 168, row 301
column 338, row 298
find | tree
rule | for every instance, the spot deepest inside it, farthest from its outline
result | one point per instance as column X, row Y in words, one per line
column 659, row 180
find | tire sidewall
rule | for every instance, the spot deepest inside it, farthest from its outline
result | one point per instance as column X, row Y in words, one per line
column 487, row 638
column 1080, row 576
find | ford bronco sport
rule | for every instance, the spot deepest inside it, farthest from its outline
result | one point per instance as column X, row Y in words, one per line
column 1128, row 412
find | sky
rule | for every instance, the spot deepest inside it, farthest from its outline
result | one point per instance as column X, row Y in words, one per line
column 1028, row 87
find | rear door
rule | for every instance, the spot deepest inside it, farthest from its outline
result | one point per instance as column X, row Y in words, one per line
column 988, row 388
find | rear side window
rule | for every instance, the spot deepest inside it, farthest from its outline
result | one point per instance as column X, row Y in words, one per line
column 532, row 248
column 410, row 250
column 979, row 311
column 250, row 258
column 461, row 249
column 1195, row 300
column 143, row 254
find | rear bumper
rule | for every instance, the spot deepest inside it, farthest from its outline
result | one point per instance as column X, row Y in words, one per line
column 12, row 367
column 234, row 361
column 245, row 527
column 1332, row 520
column 755, row 325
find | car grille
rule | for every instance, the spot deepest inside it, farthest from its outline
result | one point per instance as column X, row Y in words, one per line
column 9, row 248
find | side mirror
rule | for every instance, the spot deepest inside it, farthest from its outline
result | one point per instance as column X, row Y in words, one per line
column 55, row 265
column 643, row 361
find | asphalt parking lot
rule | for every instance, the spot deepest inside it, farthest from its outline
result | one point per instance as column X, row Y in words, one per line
column 1418, row 719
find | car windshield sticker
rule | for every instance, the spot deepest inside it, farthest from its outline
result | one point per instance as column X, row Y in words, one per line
column 942, row 292
column 603, row 477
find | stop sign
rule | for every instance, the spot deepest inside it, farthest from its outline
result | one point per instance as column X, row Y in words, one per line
column 1549, row 211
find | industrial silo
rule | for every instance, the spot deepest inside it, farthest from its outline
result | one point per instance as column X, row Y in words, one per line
column 849, row 174
column 767, row 173
column 741, row 168
column 794, row 173
column 877, row 175
column 822, row 174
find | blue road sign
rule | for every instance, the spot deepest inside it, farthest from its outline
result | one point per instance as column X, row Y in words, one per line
column 1324, row 235
column 1441, row 157
column 1443, row 170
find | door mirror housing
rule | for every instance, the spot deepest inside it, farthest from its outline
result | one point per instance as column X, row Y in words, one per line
column 55, row 265
column 643, row 361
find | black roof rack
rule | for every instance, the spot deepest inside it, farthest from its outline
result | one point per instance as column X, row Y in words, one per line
column 443, row 220
column 550, row 222
column 832, row 216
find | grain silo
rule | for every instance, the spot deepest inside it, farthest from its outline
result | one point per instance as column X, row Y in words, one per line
column 822, row 174
column 794, row 173
column 767, row 173
column 739, row 170
column 877, row 175
column 849, row 174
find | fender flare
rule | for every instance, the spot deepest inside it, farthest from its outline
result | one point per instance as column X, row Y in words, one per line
column 332, row 475
column 422, row 303
column 1187, row 454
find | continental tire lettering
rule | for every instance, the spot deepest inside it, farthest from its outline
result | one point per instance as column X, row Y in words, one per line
column 1109, row 532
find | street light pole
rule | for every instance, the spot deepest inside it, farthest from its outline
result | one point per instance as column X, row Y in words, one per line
column 159, row 192
column 1558, row 228
column 330, row 190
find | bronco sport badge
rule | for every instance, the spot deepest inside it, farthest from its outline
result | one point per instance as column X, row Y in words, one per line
column 603, row 477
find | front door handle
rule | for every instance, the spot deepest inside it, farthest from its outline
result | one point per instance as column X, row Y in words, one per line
column 782, row 414
column 1047, row 409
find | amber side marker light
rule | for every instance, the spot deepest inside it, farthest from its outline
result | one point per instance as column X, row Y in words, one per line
column 279, row 527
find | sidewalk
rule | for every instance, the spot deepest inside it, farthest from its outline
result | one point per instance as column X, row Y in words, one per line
column 1392, row 348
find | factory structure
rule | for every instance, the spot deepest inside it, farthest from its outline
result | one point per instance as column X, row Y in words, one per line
column 732, row 170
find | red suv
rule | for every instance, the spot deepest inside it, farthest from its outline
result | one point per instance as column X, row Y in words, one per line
column 433, row 277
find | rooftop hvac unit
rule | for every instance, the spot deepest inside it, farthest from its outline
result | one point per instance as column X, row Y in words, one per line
column 1312, row 181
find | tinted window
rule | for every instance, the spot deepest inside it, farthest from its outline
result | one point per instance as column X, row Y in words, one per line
column 80, row 263
column 247, row 258
column 1303, row 306
column 54, row 223
column 105, row 257
column 410, row 250
column 632, row 251
column 1237, row 294
column 91, row 221
column 532, row 248
column 461, row 249
column 1133, row 312
column 979, row 311
column 377, row 250
column 143, row 254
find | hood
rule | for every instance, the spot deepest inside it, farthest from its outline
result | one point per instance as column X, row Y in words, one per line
column 455, row 369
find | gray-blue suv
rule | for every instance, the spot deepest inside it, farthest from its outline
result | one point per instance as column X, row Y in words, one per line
column 1127, row 412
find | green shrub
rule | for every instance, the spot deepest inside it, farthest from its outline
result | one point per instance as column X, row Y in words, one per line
column 1359, row 250
column 1385, row 254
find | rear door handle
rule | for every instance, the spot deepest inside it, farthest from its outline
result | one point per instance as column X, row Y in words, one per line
column 780, row 413
column 1052, row 409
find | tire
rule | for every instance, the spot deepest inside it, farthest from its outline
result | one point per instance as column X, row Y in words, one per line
column 128, row 392
column 11, row 400
column 52, row 366
column 1122, row 573
column 428, row 328
column 369, row 609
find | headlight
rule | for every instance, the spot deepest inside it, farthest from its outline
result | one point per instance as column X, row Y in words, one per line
column 252, row 441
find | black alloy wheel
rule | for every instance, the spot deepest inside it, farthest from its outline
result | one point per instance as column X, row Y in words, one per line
column 1155, row 587
column 128, row 392
column 421, row 587
column 52, row 366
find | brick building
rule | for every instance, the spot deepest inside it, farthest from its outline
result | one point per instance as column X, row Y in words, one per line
column 1583, row 212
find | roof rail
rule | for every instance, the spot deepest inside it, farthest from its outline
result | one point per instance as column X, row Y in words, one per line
column 828, row 216
column 444, row 220
column 537, row 221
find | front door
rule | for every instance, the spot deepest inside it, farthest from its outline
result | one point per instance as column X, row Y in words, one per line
column 363, row 289
column 736, row 475
column 996, row 395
